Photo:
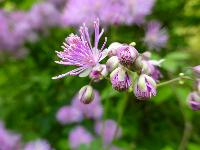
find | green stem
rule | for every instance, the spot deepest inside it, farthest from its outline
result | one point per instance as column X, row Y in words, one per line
column 174, row 80
column 120, row 115
column 168, row 82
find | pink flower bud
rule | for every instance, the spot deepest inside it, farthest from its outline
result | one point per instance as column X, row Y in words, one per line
column 86, row 94
column 112, row 49
column 194, row 100
column 127, row 55
column 120, row 79
column 98, row 72
column 145, row 87
column 112, row 63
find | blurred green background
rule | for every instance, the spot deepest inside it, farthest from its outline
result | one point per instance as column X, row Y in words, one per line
column 29, row 98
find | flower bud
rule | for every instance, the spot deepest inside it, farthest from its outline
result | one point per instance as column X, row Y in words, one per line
column 112, row 49
column 86, row 94
column 127, row 55
column 120, row 79
column 194, row 100
column 146, row 55
column 112, row 63
column 98, row 72
column 196, row 70
column 145, row 87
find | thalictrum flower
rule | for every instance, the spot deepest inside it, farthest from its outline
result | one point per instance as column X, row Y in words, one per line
column 78, row 51
column 155, row 37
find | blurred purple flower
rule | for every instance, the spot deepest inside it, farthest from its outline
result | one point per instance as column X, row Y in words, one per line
column 8, row 140
column 38, row 145
column 194, row 100
column 109, row 11
column 107, row 130
column 78, row 51
column 69, row 114
column 15, row 29
column 137, row 10
column 43, row 15
column 94, row 110
column 75, row 13
column 155, row 37
column 79, row 136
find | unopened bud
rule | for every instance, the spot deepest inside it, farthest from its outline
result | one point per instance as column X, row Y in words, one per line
column 112, row 63
column 120, row 79
column 194, row 100
column 112, row 49
column 98, row 72
column 86, row 94
column 146, row 55
column 145, row 87
column 127, row 55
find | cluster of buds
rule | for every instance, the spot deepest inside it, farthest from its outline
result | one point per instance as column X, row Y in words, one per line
column 194, row 97
column 128, row 69
column 131, row 70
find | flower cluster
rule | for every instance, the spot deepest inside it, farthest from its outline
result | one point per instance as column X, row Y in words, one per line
column 77, row 112
column 194, row 97
column 109, row 11
column 18, row 27
column 127, row 68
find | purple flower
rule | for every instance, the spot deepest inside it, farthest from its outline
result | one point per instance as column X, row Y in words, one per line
column 127, row 55
column 8, row 140
column 14, row 29
column 94, row 110
column 38, row 145
column 109, row 11
column 151, row 67
column 69, row 114
column 107, row 130
column 137, row 10
column 155, row 37
column 120, row 79
column 194, row 100
column 78, row 51
column 145, row 87
column 79, row 136
column 196, row 70
column 44, row 15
